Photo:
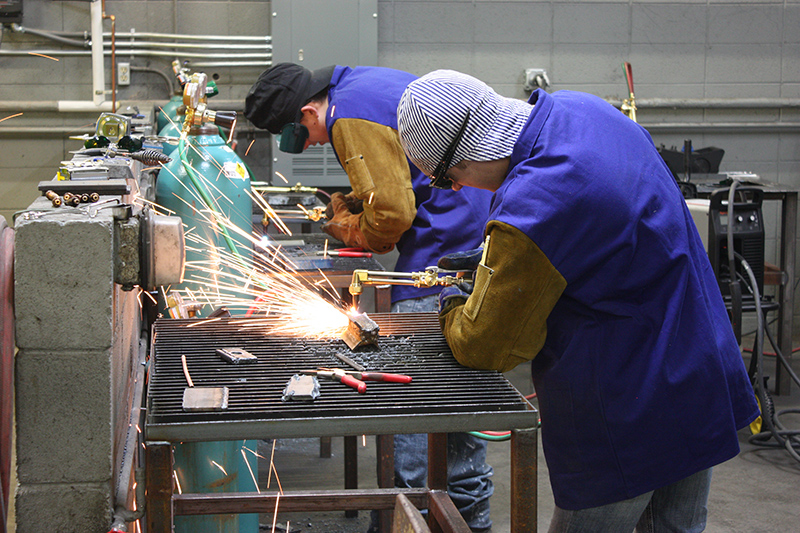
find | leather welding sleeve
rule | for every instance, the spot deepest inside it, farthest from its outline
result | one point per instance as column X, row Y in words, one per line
column 504, row 321
column 380, row 177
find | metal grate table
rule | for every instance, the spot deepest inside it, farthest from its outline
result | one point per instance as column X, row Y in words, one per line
column 443, row 397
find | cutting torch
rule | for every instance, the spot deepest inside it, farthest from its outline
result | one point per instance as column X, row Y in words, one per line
column 430, row 277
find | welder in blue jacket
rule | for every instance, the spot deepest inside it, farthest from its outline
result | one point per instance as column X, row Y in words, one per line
column 391, row 204
column 593, row 269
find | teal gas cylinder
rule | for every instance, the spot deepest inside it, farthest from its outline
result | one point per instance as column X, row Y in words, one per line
column 171, row 129
column 210, row 466
column 224, row 180
column 169, row 112
column 216, row 467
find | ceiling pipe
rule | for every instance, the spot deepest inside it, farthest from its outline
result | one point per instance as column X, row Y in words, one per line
column 98, row 66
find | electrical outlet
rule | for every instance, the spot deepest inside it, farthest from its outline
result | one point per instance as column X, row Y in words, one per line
column 536, row 78
column 124, row 73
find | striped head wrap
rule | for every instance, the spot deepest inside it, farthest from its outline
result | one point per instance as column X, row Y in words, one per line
column 433, row 108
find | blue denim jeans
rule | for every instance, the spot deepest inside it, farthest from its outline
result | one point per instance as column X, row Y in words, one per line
column 680, row 506
column 468, row 476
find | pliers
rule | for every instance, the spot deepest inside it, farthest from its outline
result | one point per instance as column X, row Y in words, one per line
column 354, row 378
column 346, row 252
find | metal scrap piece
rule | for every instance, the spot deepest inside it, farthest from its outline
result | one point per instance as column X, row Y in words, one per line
column 236, row 355
column 205, row 398
column 361, row 331
column 302, row 388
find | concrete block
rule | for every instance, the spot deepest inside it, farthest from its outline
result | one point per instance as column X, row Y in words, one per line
column 64, row 272
column 745, row 23
column 743, row 63
column 64, row 426
column 668, row 23
column 597, row 64
column 66, row 508
column 591, row 23
column 790, row 64
column 420, row 59
column 523, row 23
column 434, row 22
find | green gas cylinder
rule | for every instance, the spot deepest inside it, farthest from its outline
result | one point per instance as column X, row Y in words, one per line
column 169, row 112
column 171, row 129
column 220, row 175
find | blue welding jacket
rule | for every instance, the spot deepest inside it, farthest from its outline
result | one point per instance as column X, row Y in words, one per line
column 446, row 221
column 640, row 381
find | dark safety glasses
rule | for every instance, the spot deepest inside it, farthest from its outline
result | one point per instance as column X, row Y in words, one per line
column 439, row 177
column 292, row 138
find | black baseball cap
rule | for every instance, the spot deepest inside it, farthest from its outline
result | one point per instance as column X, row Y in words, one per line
column 280, row 92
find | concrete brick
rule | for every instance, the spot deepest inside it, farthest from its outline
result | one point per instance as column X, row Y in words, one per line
column 743, row 63
column 745, row 23
column 594, row 64
column 69, row 508
column 420, row 59
column 668, row 23
column 523, row 23
column 591, row 23
column 64, row 428
column 683, row 63
column 434, row 22
column 63, row 290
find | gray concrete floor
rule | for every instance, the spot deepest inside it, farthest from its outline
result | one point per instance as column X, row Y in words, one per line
column 759, row 490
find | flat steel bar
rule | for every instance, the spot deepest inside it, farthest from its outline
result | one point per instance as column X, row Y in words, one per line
column 293, row 501
column 444, row 516
column 337, row 426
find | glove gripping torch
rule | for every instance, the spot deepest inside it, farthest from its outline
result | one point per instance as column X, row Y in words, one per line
column 430, row 277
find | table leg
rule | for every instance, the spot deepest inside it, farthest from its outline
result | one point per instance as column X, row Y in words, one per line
column 350, row 467
column 158, row 483
column 385, row 468
column 524, row 473
column 783, row 383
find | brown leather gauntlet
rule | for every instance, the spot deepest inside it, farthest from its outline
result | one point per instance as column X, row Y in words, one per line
column 344, row 225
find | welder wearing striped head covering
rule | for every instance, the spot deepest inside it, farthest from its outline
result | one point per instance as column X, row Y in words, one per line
column 594, row 271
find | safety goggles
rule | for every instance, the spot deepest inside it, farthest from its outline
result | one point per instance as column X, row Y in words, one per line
column 292, row 138
column 438, row 177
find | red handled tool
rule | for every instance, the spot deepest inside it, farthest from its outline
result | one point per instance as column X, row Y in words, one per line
column 346, row 252
column 340, row 375
column 379, row 376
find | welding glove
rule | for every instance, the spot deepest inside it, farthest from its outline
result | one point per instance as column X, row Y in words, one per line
column 452, row 296
column 344, row 225
column 354, row 205
column 466, row 260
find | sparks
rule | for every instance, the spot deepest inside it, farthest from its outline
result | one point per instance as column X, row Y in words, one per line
column 248, row 147
column 281, row 177
column 43, row 55
column 10, row 116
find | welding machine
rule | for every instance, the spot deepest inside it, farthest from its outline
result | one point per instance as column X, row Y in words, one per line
column 747, row 225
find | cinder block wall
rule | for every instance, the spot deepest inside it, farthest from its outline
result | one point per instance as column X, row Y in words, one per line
column 78, row 337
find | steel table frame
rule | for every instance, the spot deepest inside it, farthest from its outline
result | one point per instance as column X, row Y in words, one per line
column 507, row 411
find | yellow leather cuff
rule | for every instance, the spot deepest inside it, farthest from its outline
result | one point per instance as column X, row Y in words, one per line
column 504, row 321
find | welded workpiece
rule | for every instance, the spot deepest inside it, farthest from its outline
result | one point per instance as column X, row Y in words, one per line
column 236, row 356
column 205, row 398
column 361, row 331
column 301, row 388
